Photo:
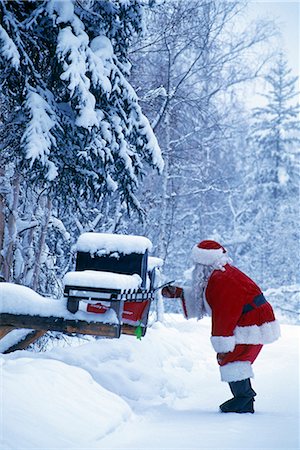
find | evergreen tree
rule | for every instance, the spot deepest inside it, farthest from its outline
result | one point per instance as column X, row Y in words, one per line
column 272, row 193
column 63, row 72
column 71, row 127
column 276, row 130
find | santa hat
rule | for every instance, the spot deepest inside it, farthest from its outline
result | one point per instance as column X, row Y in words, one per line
column 208, row 253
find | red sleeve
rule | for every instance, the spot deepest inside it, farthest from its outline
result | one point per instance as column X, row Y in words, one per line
column 226, row 298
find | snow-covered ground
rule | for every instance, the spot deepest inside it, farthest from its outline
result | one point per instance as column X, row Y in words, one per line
column 161, row 392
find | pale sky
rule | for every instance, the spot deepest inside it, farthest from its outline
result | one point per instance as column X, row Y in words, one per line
column 287, row 15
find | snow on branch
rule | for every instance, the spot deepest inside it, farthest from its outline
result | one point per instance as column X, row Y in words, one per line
column 99, row 62
column 37, row 138
column 8, row 49
column 152, row 146
column 138, row 122
column 105, row 102
column 59, row 226
column 71, row 50
column 79, row 59
column 64, row 10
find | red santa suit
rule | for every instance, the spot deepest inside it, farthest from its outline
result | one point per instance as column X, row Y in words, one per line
column 242, row 319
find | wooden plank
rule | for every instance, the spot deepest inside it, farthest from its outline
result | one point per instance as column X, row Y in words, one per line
column 25, row 342
column 61, row 324
column 5, row 330
column 130, row 329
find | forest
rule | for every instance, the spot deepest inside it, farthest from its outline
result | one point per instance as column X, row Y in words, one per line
column 175, row 120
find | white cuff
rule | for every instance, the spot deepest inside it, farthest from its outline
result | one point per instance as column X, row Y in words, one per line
column 223, row 344
column 236, row 371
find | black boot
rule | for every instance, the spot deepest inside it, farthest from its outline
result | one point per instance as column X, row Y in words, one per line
column 243, row 399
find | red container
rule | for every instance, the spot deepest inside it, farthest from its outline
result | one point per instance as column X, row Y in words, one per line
column 134, row 310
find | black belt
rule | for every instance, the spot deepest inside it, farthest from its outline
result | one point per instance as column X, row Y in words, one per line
column 258, row 301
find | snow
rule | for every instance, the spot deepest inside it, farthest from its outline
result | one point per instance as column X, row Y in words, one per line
column 71, row 50
column 283, row 176
column 8, row 49
column 99, row 58
column 105, row 243
column 13, row 337
column 52, row 395
column 152, row 143
column 58, row 224
column 154, row 261
column 161, row 392
column 102, row 47
column 107, row 280
column 64, row 10
column 15, row 299
column 38, row 139
column 286, row 301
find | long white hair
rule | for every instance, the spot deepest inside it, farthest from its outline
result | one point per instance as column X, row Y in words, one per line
column 200, row 276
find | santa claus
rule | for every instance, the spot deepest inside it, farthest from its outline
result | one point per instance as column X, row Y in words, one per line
column 242, row 319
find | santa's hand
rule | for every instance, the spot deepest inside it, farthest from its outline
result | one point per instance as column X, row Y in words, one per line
column 220, row 357
column 172, row 292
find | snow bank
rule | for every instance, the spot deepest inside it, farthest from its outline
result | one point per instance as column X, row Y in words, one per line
column 105, row 243
column 49, row 404
column 169, row 380
column 107, row 280
column 159, row 369
column 16, row 299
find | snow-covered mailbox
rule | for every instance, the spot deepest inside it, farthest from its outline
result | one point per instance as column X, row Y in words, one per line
column 111, row 275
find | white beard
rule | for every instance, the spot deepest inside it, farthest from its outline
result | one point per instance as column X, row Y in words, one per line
column 195, row 301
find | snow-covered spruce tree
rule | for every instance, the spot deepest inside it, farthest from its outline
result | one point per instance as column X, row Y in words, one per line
column 71, row 127
column 270, row 219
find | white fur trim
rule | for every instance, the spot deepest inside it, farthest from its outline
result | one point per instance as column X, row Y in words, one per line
column 236, row 371
column 223, row 344
column 205, row 256
column 254, row 334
